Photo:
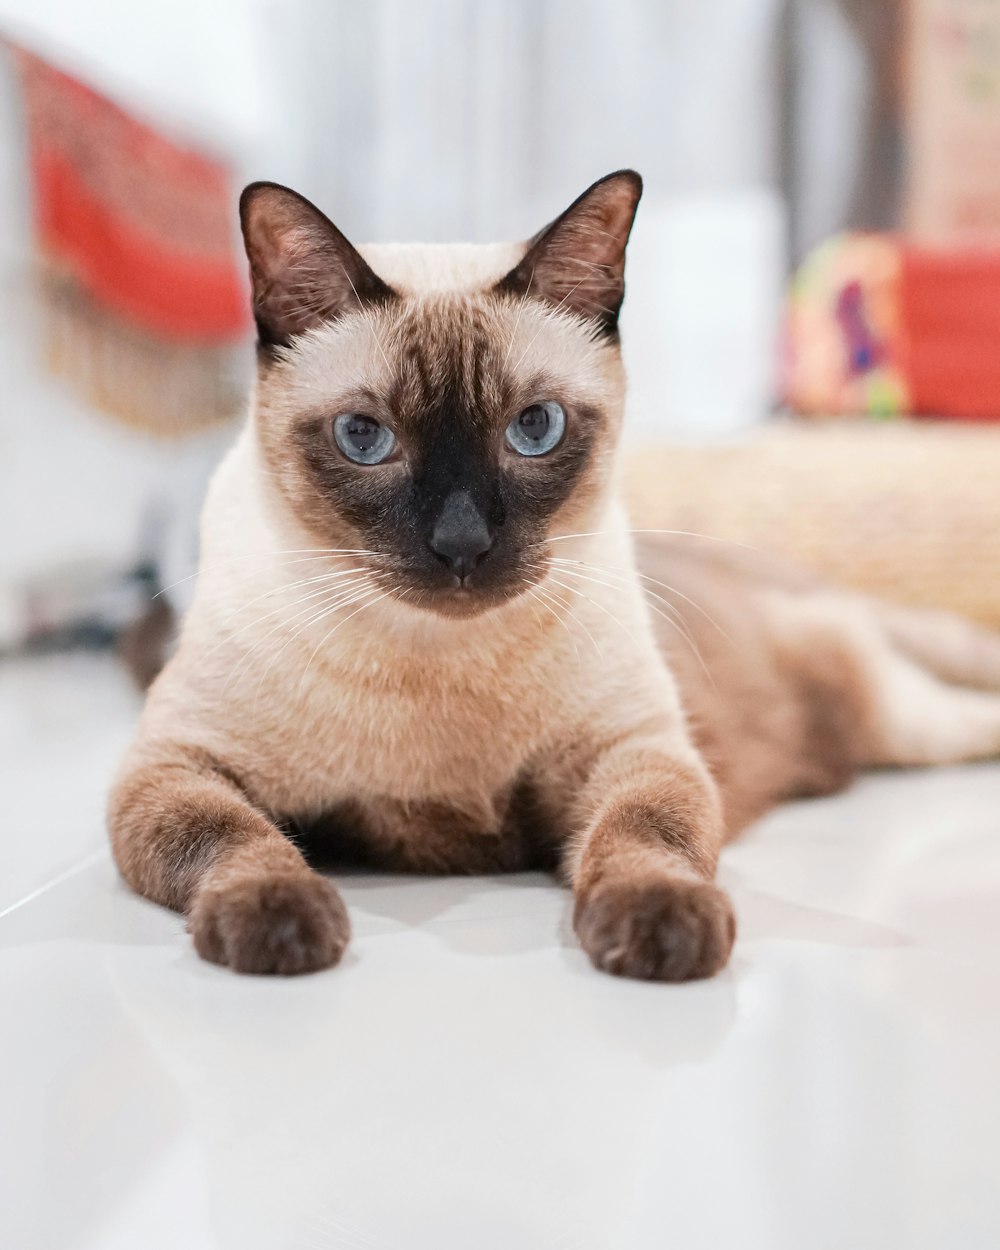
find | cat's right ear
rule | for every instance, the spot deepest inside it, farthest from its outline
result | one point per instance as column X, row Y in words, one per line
column 303, row 271
column 577, row 263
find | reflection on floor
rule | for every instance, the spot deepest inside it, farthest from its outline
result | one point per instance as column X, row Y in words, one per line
column 465, row 1079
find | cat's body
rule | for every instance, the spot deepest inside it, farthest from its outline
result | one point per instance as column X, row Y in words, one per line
column 324, row 694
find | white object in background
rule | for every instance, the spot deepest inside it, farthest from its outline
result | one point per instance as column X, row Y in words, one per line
column 195, row 69
column 700, row 324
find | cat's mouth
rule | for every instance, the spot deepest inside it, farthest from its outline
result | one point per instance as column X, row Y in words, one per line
column 457, row 597
column 462, row 600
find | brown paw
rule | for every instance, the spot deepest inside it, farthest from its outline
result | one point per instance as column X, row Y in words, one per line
column 282, row 925
column 664, row 929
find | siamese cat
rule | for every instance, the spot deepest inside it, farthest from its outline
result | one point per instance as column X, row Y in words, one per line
column 422, row 636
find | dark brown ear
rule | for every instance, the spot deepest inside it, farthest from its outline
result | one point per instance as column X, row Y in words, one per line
column 578, row 262
column 303, row 271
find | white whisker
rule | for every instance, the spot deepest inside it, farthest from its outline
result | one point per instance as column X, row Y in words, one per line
column 676, row 620
column 666, row 586
column 317, row 553
column 712, row 538
column 285, row 588
column 298, row 631
column 331, row 597
column 575, row 590
column 228, row 637
column 326, row 637
column 537, row 593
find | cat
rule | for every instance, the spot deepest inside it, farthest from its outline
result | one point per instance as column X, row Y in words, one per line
column 420, row 637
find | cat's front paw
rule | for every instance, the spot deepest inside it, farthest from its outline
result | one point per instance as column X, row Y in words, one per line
column 282, row 925
column 656, row 929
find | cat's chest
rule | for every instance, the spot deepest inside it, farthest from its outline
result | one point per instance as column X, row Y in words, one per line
column 414, row 740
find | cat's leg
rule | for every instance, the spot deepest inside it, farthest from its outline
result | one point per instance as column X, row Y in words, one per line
column 644, row 901
column 185, row 835
column 919, row 685
column 957, row 650
column 920, row 719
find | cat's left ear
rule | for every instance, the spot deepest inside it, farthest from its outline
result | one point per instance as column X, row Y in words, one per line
column 302, row 269
column 578, row 262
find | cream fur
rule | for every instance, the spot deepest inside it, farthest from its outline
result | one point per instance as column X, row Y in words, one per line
column 416, row 702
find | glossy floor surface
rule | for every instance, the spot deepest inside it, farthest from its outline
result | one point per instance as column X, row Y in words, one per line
column 465, row 1079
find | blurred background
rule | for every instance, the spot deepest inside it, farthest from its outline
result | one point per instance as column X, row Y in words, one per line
column 813, row 314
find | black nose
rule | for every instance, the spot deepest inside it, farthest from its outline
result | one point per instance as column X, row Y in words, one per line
column 460, row 537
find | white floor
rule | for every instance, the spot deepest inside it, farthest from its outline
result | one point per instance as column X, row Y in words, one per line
column 465, row 1079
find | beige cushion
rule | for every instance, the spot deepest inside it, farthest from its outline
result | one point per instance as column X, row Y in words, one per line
column 907, row 509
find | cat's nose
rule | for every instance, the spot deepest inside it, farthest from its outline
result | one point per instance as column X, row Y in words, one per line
column 460, row 537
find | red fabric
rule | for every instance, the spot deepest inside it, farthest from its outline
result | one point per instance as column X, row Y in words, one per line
column 950, row 304
column 141, row 222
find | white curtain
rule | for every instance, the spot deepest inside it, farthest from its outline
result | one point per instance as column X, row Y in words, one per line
column 455, row 120
column 459, row 119
column 462, row 119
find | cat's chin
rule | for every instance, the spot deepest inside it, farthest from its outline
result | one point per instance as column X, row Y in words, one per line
column 461, row 604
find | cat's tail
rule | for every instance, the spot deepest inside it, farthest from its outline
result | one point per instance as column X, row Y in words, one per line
column 953, row 649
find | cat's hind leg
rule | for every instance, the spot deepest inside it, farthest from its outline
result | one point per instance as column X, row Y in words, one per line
column 959, row 651
column 919, row 714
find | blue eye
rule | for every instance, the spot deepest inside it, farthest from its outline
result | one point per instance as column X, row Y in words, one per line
column 363, row 439
column 538, row 429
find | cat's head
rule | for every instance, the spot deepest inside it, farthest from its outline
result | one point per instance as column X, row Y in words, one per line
column 443, row 410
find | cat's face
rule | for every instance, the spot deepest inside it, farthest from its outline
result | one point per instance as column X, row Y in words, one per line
column 444, row 420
